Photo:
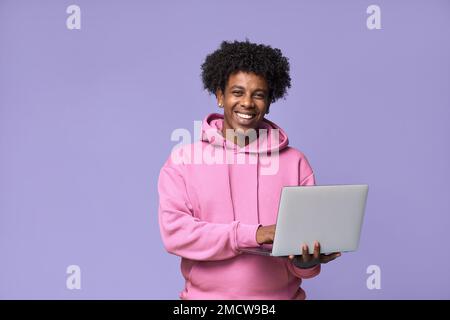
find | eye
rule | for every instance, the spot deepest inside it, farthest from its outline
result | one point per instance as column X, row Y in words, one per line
column 260, row 95
column 237, row 93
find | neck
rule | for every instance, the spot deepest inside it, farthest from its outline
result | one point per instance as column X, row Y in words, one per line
column 234, row 138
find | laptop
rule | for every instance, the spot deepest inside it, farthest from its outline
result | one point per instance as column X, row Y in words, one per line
column 330, row 214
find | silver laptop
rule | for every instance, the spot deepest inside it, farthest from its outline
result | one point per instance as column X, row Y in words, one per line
column 330, row 214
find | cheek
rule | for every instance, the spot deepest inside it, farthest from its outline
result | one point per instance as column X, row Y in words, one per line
column 232, row 102
column 262, row 109
column 229, row 112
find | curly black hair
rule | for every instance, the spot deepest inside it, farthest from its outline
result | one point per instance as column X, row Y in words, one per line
column 245, row 56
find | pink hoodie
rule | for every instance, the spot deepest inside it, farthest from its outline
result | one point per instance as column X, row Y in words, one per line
column 207, row 212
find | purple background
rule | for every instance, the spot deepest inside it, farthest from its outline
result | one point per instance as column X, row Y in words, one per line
column 86, row 117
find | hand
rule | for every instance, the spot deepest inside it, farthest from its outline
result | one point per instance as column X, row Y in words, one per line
column 307, row 260
column 265, row 234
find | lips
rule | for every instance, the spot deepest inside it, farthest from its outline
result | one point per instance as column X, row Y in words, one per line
column 245, row 116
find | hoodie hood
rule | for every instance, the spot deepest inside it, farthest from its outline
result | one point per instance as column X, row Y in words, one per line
column 271, row 136
column 271, row 140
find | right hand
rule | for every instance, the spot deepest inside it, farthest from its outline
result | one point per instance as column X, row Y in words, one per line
column 265, row 234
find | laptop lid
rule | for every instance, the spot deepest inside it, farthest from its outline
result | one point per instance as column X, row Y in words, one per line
column 330, row 214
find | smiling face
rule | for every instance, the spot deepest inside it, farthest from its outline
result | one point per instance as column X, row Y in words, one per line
column 245, row 101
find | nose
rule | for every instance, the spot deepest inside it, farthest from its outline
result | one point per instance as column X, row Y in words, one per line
column 247, row 101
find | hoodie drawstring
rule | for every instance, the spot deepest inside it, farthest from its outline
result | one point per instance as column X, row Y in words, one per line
column 229, row 181
column 230, row 188
column 257, row 186
column 231, row 193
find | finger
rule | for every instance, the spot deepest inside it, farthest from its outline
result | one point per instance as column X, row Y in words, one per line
column 305, row 253
column 316, row 250
column 325, row 258
column 336, row 254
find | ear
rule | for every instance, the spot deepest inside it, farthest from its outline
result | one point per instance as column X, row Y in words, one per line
column 268, row 107
column 219, row 96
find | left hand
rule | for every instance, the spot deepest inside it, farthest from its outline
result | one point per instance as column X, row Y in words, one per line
column 307, row 260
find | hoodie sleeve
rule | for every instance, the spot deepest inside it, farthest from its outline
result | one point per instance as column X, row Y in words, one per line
column 305, row 173
column 189, row 237
column 306, row 178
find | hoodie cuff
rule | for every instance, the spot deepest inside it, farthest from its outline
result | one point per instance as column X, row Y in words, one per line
column 307, row 273
column 246, row 235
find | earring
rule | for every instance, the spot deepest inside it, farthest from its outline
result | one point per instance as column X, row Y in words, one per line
column 220, row 105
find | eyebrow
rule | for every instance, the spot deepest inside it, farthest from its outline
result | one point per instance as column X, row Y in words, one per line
column 242, row 88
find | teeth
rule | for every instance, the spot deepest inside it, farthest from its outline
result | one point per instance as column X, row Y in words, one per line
column 245, row 116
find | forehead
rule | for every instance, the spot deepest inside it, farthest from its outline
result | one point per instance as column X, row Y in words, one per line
column 248, row 80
